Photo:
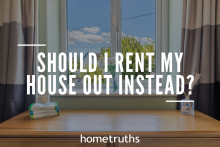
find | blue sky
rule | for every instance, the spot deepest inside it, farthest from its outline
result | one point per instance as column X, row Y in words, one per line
column 83, row 14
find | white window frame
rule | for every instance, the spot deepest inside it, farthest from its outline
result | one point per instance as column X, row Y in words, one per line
column 115, row 27
column 63, row 32
column 162, row 33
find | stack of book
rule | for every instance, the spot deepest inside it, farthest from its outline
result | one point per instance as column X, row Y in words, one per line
column 39, row 111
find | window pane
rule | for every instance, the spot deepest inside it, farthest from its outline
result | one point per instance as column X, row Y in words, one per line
column 88, row 27
column 138, row 30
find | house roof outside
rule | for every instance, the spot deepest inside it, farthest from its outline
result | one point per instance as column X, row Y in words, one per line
column 97, row 54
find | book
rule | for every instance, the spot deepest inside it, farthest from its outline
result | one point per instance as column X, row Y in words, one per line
column 44, row 115
column 43, row 111
column 38, row 107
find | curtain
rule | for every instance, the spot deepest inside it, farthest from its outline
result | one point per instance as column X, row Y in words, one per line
column 201, row 48
column 18, row 25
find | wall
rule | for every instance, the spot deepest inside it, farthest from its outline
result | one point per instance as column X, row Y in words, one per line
column 48, row 34
column 114, row 103
column 53, row 35
column 109, row 103
column 175, row 25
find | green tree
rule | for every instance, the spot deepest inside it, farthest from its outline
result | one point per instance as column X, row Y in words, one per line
column 130, row 44
column 104, row 50
column 150, row 48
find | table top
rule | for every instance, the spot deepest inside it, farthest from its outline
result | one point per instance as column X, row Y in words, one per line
column 72, row 123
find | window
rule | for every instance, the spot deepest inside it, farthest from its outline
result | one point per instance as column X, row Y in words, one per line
column 111, row 26
column 99, row 26
column 138, row 31
column 88, row 29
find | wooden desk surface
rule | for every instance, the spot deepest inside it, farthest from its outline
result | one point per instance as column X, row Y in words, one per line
column 72, row 123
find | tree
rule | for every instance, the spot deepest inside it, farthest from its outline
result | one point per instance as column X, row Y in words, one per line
column 104, row 50
column 130, row 44
column 150, row 48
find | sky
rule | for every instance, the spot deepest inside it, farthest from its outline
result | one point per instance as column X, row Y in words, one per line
column 83, row 15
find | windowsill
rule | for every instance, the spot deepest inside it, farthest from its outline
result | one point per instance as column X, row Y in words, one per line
column 79, row 92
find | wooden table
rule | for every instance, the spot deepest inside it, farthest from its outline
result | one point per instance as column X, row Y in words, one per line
column 155, row 128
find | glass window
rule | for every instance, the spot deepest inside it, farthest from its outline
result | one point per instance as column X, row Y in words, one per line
column 138, row 31
column 88, row 29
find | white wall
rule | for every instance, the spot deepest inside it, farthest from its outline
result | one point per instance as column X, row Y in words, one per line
column 175, row 25
column 49, row 31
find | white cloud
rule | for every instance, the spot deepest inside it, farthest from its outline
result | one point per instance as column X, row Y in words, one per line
column 106, row 34
column 123, row 34
column 107, row 37
column 147, row 40
column 75, row 36
column 92, row 30
column 93, row 38
column 78, row 36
